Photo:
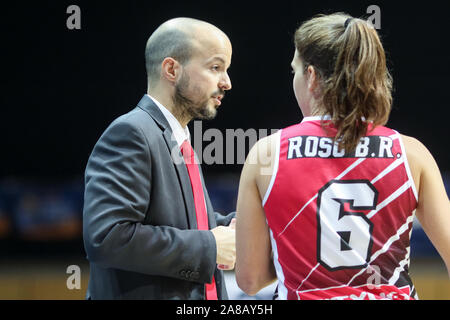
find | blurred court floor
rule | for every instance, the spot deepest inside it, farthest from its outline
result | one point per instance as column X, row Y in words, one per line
column 46, row 279
column 42, row 279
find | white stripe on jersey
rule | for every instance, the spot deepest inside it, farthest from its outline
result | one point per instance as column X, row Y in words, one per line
column 389, row 199
column 401, row 267
column 343, row 173
column 309, row 201
column 335, row 287
column 316, row 118
column 275, row 166
column 312, row 270
column 386, row 246
column 391, row 167
column 282, row 291
column 408, row 169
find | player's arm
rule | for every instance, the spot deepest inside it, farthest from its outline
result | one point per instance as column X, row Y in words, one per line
column 433, row 210
column 254, row 265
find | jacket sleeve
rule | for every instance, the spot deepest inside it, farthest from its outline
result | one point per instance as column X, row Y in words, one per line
column 117, row 195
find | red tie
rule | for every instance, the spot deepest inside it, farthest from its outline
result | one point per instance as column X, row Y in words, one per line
column 199, row 202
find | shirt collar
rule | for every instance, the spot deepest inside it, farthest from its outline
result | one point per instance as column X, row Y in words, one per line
column 178, row 132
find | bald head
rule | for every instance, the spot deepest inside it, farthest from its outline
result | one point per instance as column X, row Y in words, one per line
column 179, row 39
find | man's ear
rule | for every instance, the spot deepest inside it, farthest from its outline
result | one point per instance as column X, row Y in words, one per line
column 170, row 70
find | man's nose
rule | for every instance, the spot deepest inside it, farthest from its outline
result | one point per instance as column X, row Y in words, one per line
column 225, row 82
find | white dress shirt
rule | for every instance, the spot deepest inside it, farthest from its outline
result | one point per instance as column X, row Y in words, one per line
column 179, row 133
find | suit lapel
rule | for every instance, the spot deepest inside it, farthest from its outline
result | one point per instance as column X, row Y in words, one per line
column 152, row 109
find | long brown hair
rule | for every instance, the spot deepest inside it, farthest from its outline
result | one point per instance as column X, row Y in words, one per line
column 355, row 84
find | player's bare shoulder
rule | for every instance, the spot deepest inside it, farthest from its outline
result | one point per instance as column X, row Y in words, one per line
column 412, row 144
column 416, row 152
column 264, row 151
column 418, row 156
column 261, row 160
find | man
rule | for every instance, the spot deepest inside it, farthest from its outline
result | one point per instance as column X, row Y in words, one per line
column 143, row 228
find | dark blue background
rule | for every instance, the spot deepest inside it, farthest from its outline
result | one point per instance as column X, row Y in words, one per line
column 61, row 88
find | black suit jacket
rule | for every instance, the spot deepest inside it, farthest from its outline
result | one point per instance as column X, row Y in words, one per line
column 139, row 223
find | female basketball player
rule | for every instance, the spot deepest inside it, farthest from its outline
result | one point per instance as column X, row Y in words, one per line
column 326, row 206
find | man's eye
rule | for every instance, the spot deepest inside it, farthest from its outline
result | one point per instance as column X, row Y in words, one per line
column 215, row 68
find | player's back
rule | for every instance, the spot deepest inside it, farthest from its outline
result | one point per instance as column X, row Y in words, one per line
column 341, row 222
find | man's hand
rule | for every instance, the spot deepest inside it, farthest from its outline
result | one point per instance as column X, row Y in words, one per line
column 226, row 246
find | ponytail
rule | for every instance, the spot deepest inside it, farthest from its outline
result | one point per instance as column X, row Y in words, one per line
column 356, row 86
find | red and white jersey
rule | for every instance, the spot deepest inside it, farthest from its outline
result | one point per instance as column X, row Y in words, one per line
column 341, row 223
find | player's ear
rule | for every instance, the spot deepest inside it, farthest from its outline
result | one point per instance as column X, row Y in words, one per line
column 313, row 81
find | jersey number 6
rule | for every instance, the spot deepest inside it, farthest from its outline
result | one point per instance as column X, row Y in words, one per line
column 344, row 238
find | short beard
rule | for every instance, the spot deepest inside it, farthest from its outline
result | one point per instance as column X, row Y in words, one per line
column 188, row 108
